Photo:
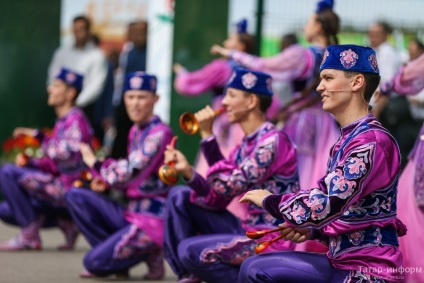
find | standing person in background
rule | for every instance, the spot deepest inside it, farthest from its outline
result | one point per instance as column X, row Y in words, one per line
column 84, row 57
column 312, row 130
column 103, row 124
column 213, row 77
column 123, row 237
column 34, row 190
column 132, row 59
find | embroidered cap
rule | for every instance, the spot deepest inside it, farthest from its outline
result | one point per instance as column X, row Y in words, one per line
column 140, row 81
column 350, row 57
column 251, row 81
column 324, row 5
column 242, row 26
column 70, row 78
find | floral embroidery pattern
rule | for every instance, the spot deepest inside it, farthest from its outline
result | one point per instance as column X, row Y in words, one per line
column 361, row 277
column 324, row 57
column 348, row 58
column 338, row 185
column 356, row 237
column 373, row 62
column 355, row 167
column 319, row 204
column 249, row 80
column 234, row 252
column 132, row 244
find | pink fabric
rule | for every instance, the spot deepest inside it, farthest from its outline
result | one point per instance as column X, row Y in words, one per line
column 412, row 244
column 151, row 225
column 293, row 63
column 214, row 74
column 369, row 162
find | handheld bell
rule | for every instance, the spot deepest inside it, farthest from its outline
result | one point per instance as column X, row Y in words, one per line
column 167, row 172
column 189, row 124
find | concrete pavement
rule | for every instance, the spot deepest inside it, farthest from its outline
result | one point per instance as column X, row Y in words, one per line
column 50, row 265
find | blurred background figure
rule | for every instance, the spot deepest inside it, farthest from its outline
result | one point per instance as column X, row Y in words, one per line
column 86, row 58
column 131, row 59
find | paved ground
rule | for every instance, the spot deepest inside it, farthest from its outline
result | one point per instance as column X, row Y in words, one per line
column 50, row 265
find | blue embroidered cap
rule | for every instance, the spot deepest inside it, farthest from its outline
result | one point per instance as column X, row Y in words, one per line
column 242, row 26
column 251, row 81
column 140, row 81
column 324, row 5
column 350, row 57
column 70, row 78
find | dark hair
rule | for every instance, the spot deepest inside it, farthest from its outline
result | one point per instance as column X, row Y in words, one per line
column 264, row 100
column 85, row 19
column 330, row 23
column 288, row 40
column 371, row 82
column 249, row 42
column 418, row 43
column 387, row 28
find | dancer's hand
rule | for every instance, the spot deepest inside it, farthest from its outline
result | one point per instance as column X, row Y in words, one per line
column 88, row 155
column 255, row 196
column 181, row 164
column 205, row 119
column 21, row 159
column 178, row 68
column 20, row 131
column 295, row 235
column 98, row 185
column 219, row 50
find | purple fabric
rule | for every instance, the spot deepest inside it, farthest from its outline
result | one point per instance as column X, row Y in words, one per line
column 97, row 216
column 293, row 267
column 137, row 175
column 62, row 156
column 212, row 75
column 359, row 191
column 117, row 244
column 265, row 159
column 21, row 208
column 220, row 266
column 184, row 219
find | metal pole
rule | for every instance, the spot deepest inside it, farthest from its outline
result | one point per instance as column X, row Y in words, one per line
column 259, row 17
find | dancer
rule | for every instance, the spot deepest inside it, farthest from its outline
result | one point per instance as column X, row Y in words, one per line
column 354, row 206
column 121, row 238
column 35, row 188
column 265, row 159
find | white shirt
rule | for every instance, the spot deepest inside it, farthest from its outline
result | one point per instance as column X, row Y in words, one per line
column 388, row 59
column 89, row 61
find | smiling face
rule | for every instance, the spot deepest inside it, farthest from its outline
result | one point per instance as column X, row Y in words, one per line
column 139, row 105
column 238, row 104
column 336, row 91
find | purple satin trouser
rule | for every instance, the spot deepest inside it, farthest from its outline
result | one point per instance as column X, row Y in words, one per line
column 184, row 220
column 190, row 251
column 102, row 223
column 290, row 267
column 20, row 208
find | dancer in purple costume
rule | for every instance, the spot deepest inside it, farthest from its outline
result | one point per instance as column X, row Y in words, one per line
column 353, row 208
column 123, row 237
column 312, row 130
column 408, row 81
column 265, row 159
column 34, row 189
